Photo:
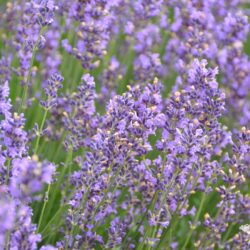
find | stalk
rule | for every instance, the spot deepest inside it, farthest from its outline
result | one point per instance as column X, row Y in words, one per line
column 174, row 216
column 7, row 244
column 83, row 204
column 164, row 196
column 111, row 183
column 46, row 199
column 207, row 231
column 44, row 207
column 197, row 216
column 40, row 131
column 229, row 230
column 8, row 172
column 38, row 134
column 152, row 202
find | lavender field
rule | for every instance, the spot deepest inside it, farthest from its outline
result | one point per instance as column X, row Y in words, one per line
column 124, row 124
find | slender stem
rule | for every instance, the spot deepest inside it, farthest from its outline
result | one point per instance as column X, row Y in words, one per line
column 7, row 240
column 179, row 207
column 40, row 131
column 229, row 230
column 197, row 216
column 58, row 148
column 51, row 220
column 38, row 134
column 82, row 205
column 203, row 240
column 62, row 209
column 62, row 175
column 162, row 202
column 111, row 183
column 46, row 199
column 153, row 200
column 69, row 158
column 69, row 164
column 8, row 172
column 143, row 240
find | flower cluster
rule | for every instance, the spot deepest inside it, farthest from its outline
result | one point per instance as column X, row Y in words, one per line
column 140, row 104
column 94, row 21
column 28, row 177
column 20, row 178
column 75, row 114
column 28, row 25
column 215, row 31
column 122, row 137
column 52, row 86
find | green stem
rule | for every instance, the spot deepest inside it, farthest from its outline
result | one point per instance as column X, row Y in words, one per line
column 143, row 240
column 7, row 240
column 229, row 230
column 61, row 177
column 62, row 209
column 69, row 156
column 8, row 172
column 109, row 189
column 197, row 216
column 68, row 162
column 82, row 205
column 40, row 131
column 203, row 240
column 46, row 199
column 152, row 202
column 180, row 206
column 52, row 219
column 162, row 202
column 112, row 181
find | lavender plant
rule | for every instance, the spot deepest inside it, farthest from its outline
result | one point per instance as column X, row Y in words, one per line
column 121, row 124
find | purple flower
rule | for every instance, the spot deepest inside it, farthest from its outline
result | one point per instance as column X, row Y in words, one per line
column 5, row 105
column 24, row 234
column 215, row 31
column 13, row 138
column 29, row 176
column 51, row 88
column 94, row 20
column 7, row 217
column 28, row 24
column 123, row 135
column 76, row 114
column 48, row 248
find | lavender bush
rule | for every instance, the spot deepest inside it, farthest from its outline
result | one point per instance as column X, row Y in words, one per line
column 124, row 124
